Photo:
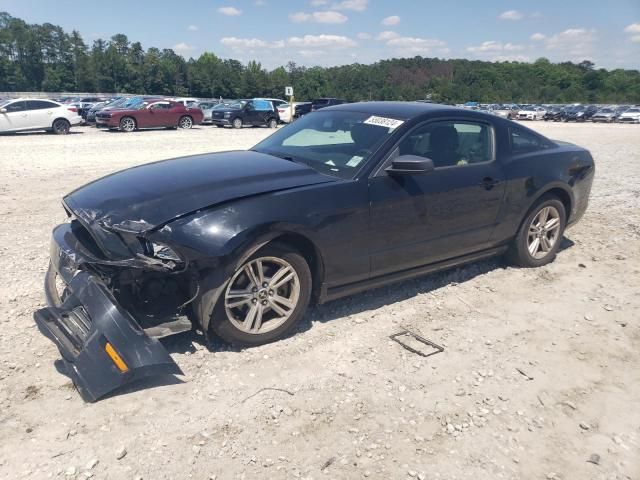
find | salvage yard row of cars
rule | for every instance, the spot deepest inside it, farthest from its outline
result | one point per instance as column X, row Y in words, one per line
column 130, row 113
column 563, row 113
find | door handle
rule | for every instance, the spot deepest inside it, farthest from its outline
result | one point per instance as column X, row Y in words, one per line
column 488, row 183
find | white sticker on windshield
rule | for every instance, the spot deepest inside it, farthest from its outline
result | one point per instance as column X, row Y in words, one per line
column 390, row 123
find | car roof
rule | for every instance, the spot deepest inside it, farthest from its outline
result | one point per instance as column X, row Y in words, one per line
column 400, row 110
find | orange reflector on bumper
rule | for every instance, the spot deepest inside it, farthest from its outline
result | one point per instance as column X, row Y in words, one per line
column 116, row 358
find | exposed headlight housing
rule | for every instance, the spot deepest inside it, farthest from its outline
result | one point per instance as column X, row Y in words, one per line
column 163, row 252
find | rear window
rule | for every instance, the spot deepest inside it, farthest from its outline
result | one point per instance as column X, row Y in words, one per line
column 40, row 105
column 524, row 142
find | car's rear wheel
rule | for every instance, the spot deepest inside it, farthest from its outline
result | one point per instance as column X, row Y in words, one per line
column 237, row 123
column 185, row 122
column 540, row 234
column 273, row 123
column 265, row 298
column 60, row 126
column 127, row 124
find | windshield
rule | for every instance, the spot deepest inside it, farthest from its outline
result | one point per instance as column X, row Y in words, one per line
column 606, row 110
column 337, row 143
column 633, row 110
column 5, row 102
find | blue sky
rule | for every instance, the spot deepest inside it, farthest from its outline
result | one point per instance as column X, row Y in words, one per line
column 333, row 32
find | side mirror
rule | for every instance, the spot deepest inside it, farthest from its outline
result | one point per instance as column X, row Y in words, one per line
column 3, row 110
column 410, row 165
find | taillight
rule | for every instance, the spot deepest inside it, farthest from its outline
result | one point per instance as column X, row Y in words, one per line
column 72, row 109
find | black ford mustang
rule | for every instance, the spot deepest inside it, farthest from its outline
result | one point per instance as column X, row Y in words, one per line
column 237, row 244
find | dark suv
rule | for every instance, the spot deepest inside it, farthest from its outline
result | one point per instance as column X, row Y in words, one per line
column 319, row 103
column 245, row 112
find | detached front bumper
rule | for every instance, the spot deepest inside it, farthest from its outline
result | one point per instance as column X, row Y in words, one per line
column 101, row 344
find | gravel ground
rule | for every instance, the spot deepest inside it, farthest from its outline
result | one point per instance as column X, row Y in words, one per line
column 539, row 378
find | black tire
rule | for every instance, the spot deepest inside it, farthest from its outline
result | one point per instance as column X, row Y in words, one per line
column 237, row 123
column 185, row 122
column 518, row 253
column 273, row 123
column 126, row 124
column 227, row 331
column 220, row 126
column 60, row 126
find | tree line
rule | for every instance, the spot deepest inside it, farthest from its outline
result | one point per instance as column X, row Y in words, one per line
column 46, row 58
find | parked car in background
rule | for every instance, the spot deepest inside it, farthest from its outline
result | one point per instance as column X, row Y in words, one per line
column 320, row 103
column 607, row 115
column 255, row 112
column 506, row 111
column 85, row 104
column 206, row 108
column 155, row 114
column 238, row 244
column 276, row 102
column 186, row 101
column 285, row 111
column 579, row 113
column 125, row 103
column 531, row 112
column 632, row 115
column 25, row 114
column 553, row 114
column 301, row 109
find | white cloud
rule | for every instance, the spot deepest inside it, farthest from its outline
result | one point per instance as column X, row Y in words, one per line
column 387, row 35
column 183, row 48
column 415, row 45
column 357, row 5
column 493, row 46
column 392, row 20
column 192, row 28
column 323, row 40
column 511, row 15
column 510, row 58
column 364, row 36
column 318, row 3
column 634, row 29
column 572, row 44
column 236, row 43
column 230, row 11
column 318, row 17
column 536, row 37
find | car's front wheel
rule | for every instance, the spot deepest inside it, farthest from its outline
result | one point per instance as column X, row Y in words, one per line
column 237, row 123
column 127, row 124
column 540, row 234
column 265, row 298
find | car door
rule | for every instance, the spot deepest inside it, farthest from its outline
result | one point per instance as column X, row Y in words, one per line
column 251, row 116
column 14, row 116
column 448, row 212
column 40, row 113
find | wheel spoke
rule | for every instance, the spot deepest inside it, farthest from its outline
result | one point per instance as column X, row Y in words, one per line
column 260, row 269
column 542, row 216
column 533, row 246
column 545, row 244
column 283, row 301
column 281, row 277
column 252, row 276
column 277, row 308
column 251, row 315
column 241, row 297
column 552, row 224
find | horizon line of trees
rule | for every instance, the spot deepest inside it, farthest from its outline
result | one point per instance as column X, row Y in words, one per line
column 46, row 58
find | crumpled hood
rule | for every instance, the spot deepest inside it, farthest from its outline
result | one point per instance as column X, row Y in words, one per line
column 144, row 197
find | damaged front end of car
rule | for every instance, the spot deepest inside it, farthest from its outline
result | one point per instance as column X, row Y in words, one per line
column 113, row 290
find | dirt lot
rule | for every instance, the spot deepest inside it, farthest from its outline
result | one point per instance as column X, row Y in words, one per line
column 540, row 373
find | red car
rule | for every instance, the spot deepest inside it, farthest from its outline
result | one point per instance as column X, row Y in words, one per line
column 153, row 114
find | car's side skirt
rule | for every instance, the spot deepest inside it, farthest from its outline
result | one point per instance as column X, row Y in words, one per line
column 328, row 294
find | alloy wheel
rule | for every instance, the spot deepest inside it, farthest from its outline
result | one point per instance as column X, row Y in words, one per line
column 186, row 123
column 60, row 127
column 262, row 295
column 128, row 124
column 544, row 232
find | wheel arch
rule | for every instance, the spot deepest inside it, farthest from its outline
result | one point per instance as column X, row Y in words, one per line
column 560, row 190
column 214, row 281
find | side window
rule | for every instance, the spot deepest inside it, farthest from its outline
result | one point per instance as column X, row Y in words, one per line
column 450, row 143
column 161, row 106
column 16, row 107
column 523, row 142
column 39, row 105
column 263, row 105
